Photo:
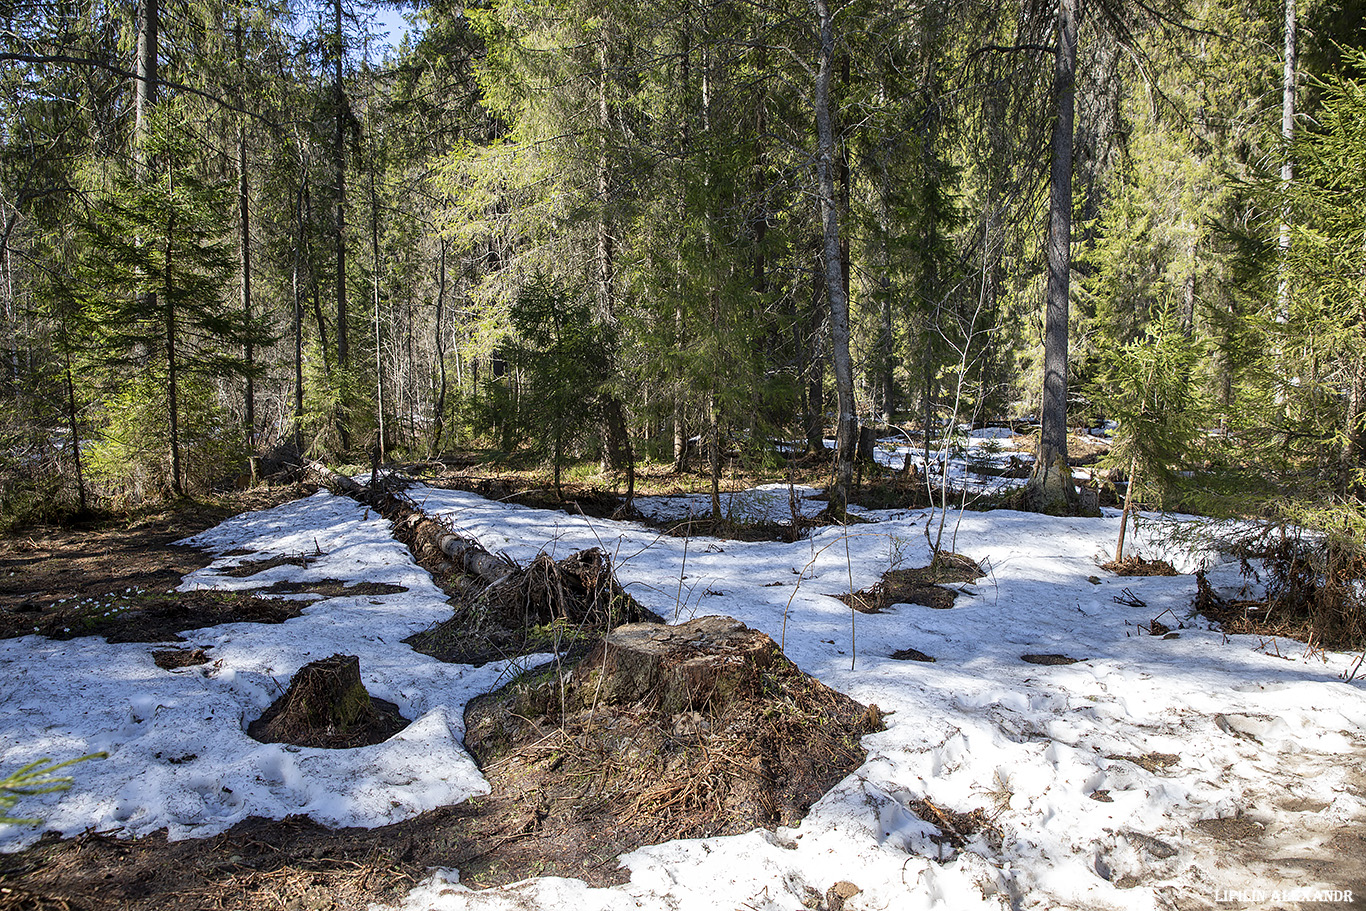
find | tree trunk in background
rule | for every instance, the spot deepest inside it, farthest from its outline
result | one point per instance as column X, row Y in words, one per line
column 74, row 425
column 616, row 438
column 379, row 347
column 318, row 316
column 148, row 24
column 1288, row 79
column 847, row 431
column 1356, row 425
column 680, row 417
column 1051, row 488
column 298, row 314
column 244, row 258
column 145, row 93
column 680, row 413
column 339, row 178
column 714, row 456
column 439, row 417
column 172, row 360
column 339, row 217
column 813, row 408
column 884, row 378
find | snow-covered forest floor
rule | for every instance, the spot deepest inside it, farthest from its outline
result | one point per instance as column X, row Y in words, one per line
column 1190, row 771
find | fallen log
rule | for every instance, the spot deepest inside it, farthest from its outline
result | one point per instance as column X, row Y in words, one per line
column 502, row 609
column 423, row 533
column 464, row 554
column 337, row 483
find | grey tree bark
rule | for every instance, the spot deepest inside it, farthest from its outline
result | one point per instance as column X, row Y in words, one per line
column 244, row 256
column 1051, row 488
column 1288, row 79
column 847, row 432
column 339, row 176
column 145, row 93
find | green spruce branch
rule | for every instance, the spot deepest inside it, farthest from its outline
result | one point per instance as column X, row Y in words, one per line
column 33, row 779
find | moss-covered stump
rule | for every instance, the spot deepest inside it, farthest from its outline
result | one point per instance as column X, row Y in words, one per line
column 328, row 706
column 667, row 732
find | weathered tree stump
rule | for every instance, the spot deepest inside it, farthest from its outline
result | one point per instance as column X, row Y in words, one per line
column 699, row 729
column 328, row 706
column 696, row 666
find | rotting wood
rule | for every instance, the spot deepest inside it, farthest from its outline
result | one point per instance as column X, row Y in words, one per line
column 465, row 554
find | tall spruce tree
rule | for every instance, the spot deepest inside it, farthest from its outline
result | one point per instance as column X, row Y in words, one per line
column 155, row 281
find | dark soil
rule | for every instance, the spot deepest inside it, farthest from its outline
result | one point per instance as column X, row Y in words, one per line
column 113, row 577
column 1137, row 566
column 911, row 654
column 330, row 588
column 1049, row 660
column 173, row 659
column 252, row 567
column 923, row 585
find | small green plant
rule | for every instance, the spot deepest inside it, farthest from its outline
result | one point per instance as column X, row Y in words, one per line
column 33, row 779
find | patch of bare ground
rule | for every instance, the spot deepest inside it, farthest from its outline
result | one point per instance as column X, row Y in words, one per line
column 1152, row 762
column 1137, row 566
column 923, row 585
column 911, row 654
column 148, row 616
column 1050, row 660
column 1250, row 616
column 112, row 576
column 1313, row 597
column 258, row 864
column 957, row 829
column 249, row 568
column 331, row 588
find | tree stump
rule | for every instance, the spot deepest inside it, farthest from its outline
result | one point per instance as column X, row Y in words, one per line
column 697, row 666
column 328, row 706
column 704, row 728
column 867, row 444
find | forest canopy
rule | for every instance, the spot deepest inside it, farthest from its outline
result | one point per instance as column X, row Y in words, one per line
column 236, row 235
